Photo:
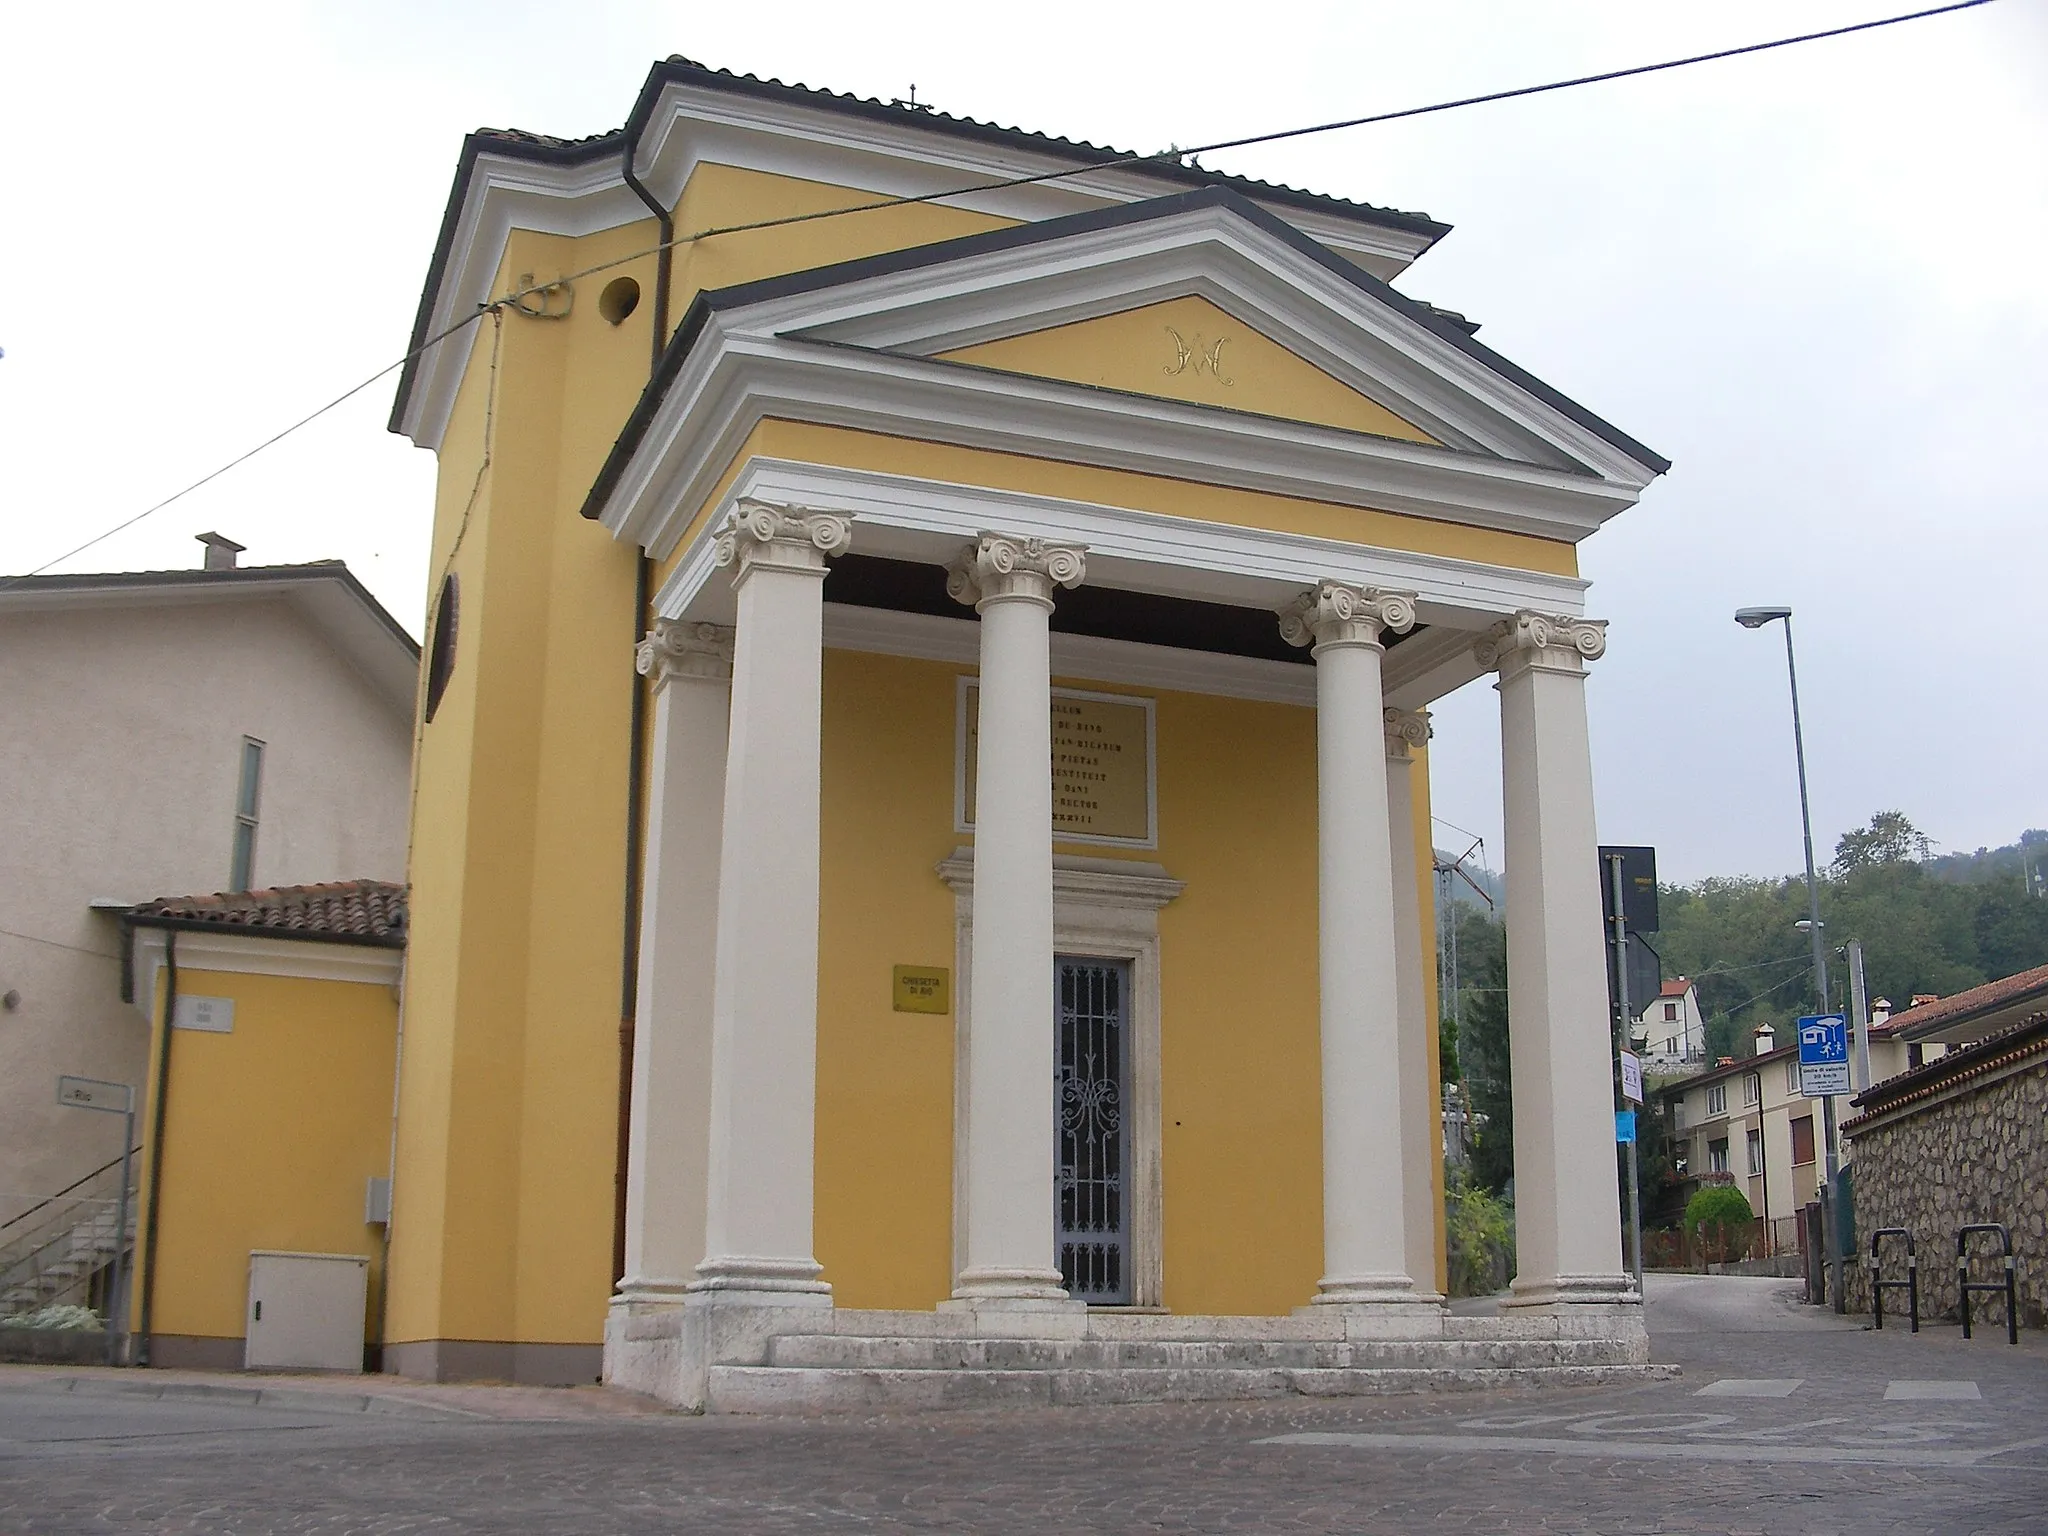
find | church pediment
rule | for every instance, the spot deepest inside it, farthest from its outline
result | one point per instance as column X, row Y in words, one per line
column 1195, row 336
column 1190, row 349
column 1319, row 313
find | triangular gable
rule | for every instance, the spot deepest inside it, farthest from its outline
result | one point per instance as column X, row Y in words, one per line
column 908, row 342
column 940, row 301
column 1189, row 349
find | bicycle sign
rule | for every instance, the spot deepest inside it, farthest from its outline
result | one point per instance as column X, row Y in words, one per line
column 1823, row 1055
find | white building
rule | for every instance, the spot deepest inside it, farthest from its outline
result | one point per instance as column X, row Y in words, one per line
column 171, row 731
column 1671, row 1033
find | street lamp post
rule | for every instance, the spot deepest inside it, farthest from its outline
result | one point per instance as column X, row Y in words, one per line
column 1757, row 618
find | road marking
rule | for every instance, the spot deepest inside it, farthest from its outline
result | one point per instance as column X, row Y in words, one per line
column 1736, row 1386
column 1637, row 1450
column 1932, row 1392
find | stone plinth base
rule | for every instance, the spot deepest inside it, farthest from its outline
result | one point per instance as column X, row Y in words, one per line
column 714, row 1356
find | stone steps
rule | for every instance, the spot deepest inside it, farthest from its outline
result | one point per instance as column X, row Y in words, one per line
column 883, row 1353
column 823, row 1389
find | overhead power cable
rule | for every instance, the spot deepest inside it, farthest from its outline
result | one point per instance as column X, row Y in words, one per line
column 1173, row 155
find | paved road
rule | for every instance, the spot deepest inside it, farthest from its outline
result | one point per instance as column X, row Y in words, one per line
column 1786, row 1419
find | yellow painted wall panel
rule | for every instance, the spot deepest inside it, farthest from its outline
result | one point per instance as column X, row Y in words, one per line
column 885, row 1079
column 720, row 196
column 1240, row 1059
column 1188, row 349
column 272, row 1130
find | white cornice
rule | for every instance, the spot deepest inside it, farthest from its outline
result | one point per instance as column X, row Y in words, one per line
column 505, row 193
column 693, row 126
column 248, row 955
column 904, row 518
column 734, row 383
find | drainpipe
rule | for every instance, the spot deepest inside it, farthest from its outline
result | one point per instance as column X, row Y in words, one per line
column 140, row 1350
column 643, row 581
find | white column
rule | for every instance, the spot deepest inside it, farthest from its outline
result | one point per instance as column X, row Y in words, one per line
column 1007, row 1254
column 764, row 1016
column 668, row 1138
column 1365, row 1248
column 1567, row 1205
column 1421, row 1145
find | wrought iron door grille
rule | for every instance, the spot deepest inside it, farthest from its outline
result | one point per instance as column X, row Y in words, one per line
column 1094, row 1231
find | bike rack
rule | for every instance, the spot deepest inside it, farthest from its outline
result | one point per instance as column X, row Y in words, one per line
column 2006, row 1287
column 1910, row 1285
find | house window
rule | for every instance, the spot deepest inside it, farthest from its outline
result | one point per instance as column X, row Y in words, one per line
column 1671, row 1046
column 1671, row 1013
column 1717, row 1156
column 1791, row 1077
column 1717, row 1099
column 1752, row 1089
column 248, row 797
column 1802, row 1139
column 1677, row 1114
column 1756, row 1152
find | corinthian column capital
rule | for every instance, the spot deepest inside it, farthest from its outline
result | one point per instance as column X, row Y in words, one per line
column 762, row 533
column 1001, row 568
column 677, row 648
column 1406, row 729
column 1332, row 614
column 1556, row 642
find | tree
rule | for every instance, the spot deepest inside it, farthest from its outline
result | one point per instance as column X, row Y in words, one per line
column 1483, row 1049
column 1889, row 839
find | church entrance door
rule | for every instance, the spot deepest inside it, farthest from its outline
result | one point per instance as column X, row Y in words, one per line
column 1091, row 1187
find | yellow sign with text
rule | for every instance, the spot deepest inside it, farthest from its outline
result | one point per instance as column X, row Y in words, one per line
column 922, row 989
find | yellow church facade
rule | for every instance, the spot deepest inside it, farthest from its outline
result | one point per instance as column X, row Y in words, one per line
column 921, row 817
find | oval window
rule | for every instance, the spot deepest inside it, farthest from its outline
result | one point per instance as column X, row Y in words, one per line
column 441, row 643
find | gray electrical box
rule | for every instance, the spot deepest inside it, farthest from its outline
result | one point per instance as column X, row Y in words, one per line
column 377, row 1203
column 306, row 1311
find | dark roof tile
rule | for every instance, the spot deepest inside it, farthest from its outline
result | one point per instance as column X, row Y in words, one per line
column 342, row 911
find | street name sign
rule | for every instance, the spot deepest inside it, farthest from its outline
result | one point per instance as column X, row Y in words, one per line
column 1823, row 1055
column 1632, row 1077
column 91, row 1093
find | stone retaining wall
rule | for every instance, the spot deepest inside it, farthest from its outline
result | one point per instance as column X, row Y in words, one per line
column 1975, row 1151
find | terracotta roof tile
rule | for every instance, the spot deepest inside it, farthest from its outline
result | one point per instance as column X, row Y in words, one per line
column 343, row 911
column 1960, row 1005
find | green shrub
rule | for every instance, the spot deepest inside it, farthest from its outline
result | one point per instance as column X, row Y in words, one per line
column 1717, row 1205
column 1479, row 1240
column 1719, row 1217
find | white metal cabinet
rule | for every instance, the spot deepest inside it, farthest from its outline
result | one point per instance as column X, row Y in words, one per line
column 305, row 1311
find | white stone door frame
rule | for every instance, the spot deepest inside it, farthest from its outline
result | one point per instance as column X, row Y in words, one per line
column 1103, row 909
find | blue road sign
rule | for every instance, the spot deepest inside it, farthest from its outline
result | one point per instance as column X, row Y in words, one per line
column 1823, row 1055
column 1823, row 1038
column 1624, row 1126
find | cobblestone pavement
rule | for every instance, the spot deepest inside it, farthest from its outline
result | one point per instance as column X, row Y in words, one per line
column 1785, row 1420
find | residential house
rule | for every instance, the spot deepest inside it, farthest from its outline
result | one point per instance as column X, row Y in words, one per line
column 218, row 728
column 1670, row 1034
column 1743, row 1122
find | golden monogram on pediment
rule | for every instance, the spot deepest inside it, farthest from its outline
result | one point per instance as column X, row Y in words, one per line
column 1197, row 356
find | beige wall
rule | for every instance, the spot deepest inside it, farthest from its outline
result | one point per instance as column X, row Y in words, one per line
column 119, row 761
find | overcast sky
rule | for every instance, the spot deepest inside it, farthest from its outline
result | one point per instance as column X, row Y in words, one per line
column 1814, row 279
